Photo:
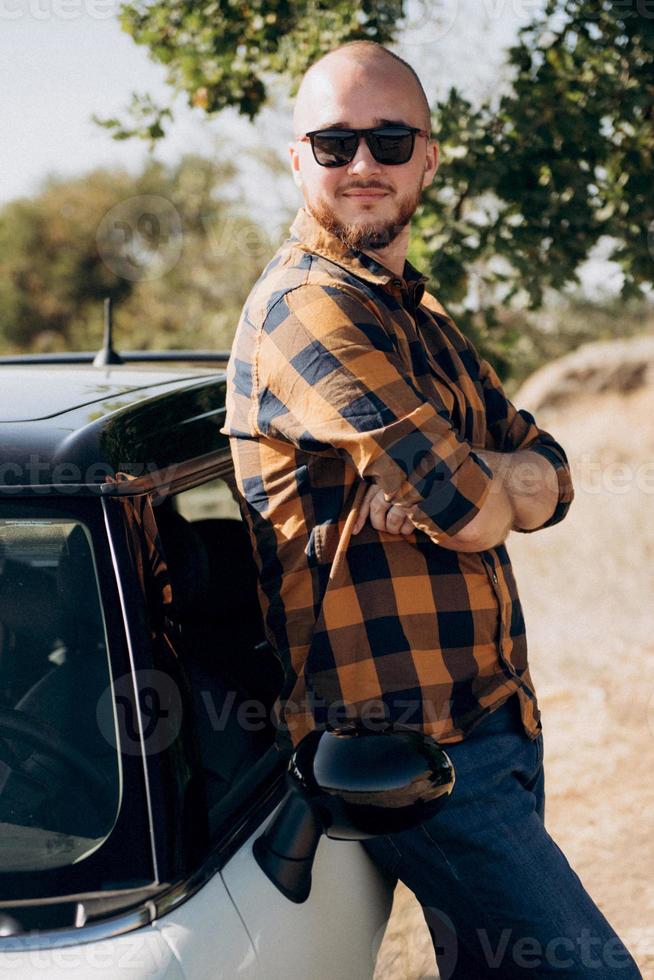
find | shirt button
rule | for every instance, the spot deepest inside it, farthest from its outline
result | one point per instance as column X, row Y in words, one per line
column 495, row 577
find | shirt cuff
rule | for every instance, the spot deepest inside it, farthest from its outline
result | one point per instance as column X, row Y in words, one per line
column 566, row 491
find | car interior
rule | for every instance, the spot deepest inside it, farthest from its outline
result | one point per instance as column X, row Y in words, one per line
column 234, row 673
column 54, row 664
column 59, row 774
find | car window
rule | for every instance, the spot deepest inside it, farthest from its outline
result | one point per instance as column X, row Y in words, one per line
column 59, row 769
column 234, row 674
column 210, row 500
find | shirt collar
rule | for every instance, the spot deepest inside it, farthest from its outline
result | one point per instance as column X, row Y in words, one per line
column 311, row 234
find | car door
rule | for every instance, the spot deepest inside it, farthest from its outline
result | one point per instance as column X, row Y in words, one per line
column 336, row 932
column 239, row 925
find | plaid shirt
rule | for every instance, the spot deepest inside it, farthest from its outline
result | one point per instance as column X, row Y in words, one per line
column 342, row 373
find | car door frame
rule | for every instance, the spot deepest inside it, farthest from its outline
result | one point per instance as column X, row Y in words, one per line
column 185, row 857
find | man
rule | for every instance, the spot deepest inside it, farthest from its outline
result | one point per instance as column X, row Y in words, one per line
column 381, row 468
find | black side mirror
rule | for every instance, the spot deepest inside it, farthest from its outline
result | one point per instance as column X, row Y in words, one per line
column 350, row 783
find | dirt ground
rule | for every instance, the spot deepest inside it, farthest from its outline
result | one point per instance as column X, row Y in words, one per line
column 587, row 588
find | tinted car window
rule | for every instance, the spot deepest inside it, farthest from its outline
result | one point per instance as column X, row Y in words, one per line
column 59, row 769
column 233, row 673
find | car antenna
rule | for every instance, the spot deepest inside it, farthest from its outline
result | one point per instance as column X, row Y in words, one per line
column 107, row 354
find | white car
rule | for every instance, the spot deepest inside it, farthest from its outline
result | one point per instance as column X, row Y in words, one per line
column 137, row 761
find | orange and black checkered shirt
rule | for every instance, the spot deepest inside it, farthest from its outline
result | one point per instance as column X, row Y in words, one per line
column 342, row 374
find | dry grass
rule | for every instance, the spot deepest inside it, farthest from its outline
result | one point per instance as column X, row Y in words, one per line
column 587, row 588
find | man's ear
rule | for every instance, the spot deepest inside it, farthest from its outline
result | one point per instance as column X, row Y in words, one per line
column 295, row 164
column 431, row 164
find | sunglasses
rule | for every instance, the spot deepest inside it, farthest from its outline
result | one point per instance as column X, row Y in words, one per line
column 389, row 145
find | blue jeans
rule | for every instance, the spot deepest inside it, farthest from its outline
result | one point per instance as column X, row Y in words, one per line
column 498, row 895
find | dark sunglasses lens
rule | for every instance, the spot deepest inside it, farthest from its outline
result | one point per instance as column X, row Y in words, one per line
column 392, row 145
column 334, row 148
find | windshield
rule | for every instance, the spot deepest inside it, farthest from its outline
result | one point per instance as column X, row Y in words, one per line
column 59, row 768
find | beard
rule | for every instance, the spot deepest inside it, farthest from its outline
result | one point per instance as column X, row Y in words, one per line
column 362, row 235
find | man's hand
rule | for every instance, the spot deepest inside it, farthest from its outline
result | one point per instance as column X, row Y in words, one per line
column 384, row 516
column 523, row 495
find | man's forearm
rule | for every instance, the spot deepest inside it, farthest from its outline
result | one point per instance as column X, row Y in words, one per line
column 530, row 481
column 523, row 494
column 492, row 524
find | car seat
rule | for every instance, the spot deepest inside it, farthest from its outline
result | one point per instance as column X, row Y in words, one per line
column 228, row 744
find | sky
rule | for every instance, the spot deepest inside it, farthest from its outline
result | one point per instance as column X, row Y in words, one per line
column 63, row 60
column 55, row 72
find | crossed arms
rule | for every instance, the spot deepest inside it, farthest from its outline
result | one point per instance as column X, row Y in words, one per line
column 523, row 495
column 327, row 377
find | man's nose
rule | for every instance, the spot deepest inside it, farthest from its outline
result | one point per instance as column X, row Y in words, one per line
column 363, row 162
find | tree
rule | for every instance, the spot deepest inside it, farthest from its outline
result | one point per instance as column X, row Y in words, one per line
column 175, row 256
column 533, row 181
column 221, row 53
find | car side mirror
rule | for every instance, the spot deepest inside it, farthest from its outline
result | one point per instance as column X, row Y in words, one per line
column 350, row 783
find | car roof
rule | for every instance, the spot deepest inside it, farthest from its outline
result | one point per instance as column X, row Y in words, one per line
column 69, row 427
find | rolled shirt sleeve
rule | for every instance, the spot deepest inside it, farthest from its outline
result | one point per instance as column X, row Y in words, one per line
column 510, row 429
column 328, row 378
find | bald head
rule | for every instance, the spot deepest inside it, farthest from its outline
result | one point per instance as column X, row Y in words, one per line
column 365, row 202
column 345, row 72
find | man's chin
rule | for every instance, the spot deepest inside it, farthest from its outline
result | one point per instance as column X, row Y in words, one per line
column 364, row 235
column 362, row 232
column 358, row 233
